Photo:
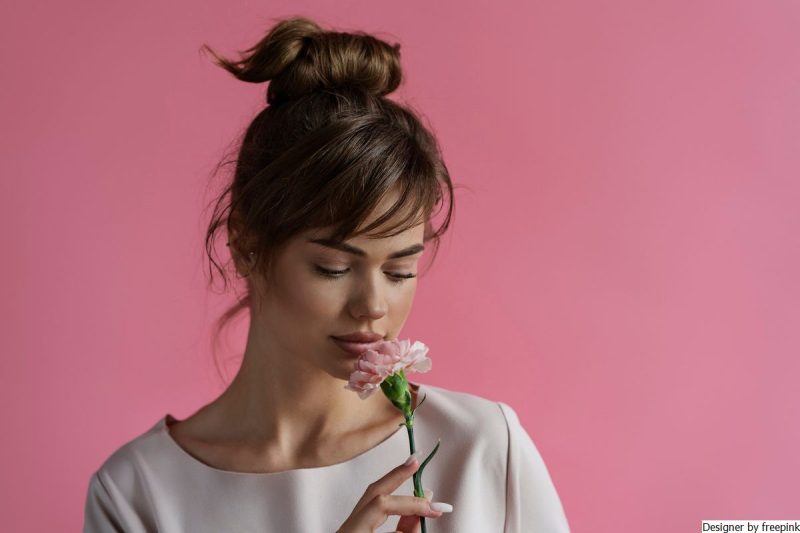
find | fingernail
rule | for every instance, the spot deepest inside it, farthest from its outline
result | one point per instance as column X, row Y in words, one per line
column 428, row 494
column 441, row 507
column 411, row 458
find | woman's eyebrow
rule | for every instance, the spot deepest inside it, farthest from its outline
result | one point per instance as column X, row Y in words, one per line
column 411, row 250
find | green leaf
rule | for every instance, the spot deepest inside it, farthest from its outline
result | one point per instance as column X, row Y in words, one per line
column 430, row 456
column 420, row 403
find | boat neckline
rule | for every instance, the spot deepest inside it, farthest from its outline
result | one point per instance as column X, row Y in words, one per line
column 162, row 428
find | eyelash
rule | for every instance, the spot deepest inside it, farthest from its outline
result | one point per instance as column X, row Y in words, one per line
column 334, row 274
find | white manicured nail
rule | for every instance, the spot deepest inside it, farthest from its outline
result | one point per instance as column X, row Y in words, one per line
column 441, row 506
column 411, row 458
column 428, row 494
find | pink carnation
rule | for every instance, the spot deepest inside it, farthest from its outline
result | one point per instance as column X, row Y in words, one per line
column 388, row 357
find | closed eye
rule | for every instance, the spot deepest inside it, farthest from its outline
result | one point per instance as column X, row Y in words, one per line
column 335, row 274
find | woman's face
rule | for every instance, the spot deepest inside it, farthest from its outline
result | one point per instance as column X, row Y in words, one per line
column 323, row 289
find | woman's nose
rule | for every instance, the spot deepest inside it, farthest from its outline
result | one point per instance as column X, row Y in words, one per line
column 369, row 302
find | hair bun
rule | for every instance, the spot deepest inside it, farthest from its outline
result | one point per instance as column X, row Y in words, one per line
column 298, row 57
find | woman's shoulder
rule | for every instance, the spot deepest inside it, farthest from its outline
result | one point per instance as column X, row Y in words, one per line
column 119, row 493
column 128, row 458
column 465, row 413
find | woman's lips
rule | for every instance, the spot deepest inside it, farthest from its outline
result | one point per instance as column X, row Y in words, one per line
column 355, row 348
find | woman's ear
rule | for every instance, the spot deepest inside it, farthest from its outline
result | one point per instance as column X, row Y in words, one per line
column 243, row 255
column 243, row 260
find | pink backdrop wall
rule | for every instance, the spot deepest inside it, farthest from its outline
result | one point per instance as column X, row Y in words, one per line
column 623, row 269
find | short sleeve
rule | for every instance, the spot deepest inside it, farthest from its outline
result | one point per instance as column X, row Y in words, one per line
column 100, row 514
column 532, row 503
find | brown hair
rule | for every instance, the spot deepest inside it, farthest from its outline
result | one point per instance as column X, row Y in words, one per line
column 326, row 149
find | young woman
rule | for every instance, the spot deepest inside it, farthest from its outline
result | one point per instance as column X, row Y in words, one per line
column 330, row 207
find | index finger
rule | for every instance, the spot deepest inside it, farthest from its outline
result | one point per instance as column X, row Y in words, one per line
column 394, row 478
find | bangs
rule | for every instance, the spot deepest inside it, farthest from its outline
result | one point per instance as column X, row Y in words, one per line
column 410, row 208
column 385, row 165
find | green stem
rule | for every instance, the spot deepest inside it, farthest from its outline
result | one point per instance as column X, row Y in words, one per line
column 418, row 490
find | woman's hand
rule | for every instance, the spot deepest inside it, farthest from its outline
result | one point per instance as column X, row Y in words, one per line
column 378, row 503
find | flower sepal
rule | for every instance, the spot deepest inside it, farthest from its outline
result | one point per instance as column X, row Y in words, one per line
column 395, row 387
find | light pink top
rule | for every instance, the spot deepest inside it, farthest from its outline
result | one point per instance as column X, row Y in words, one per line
column 487, row 467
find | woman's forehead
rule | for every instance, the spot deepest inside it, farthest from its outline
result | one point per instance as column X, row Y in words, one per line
column 323, row 236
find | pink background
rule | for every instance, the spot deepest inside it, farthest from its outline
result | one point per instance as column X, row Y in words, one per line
column 623, row 269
